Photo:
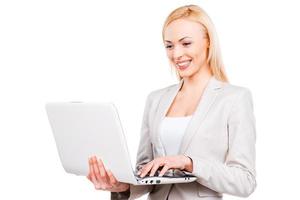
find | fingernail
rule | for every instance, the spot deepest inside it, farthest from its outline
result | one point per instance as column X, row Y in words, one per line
column 138, row 173
column 160, row 175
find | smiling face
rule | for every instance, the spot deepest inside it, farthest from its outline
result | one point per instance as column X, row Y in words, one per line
column 186, row 44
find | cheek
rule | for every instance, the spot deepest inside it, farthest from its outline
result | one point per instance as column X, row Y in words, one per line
column 199, row 54
column 169, row 54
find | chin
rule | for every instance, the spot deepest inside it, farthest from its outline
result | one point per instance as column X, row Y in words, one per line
column 186, row 74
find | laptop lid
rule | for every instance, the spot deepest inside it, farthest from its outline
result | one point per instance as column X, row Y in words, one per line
column 85, row 129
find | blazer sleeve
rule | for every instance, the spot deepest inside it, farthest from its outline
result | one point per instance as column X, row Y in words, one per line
column 237, row 175
column 144, row 155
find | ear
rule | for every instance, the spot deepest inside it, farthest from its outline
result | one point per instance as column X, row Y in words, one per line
column 208, row 42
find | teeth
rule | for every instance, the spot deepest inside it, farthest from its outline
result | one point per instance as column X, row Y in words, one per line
column 184, row 63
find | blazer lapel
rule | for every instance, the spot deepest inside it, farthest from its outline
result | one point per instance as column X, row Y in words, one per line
column 207, row 99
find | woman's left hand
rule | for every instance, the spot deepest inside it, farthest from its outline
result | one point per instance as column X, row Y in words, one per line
column 167, row 162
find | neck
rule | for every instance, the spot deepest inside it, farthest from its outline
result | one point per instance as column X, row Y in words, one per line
column 197, row 81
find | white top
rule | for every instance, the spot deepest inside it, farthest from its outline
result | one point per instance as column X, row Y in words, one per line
column 172, row 132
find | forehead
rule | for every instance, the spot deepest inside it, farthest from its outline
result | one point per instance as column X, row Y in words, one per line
column 183, row 28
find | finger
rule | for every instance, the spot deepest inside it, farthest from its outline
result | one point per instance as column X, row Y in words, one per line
column 92, row 173
column 139, row 169
column 102, row 174
column 89, row 173
column 112, row 180
column 102, row 169
column 154, row 168
column 101, row 182
column 146, row 169
column 96, row 170
column 164, row 169
column 89, row 177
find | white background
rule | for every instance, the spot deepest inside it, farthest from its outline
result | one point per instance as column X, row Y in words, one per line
column 63, row 50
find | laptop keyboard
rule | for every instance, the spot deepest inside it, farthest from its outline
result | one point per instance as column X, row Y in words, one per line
column 172, row 173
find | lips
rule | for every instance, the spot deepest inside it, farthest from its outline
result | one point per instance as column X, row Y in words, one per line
column 182, row 65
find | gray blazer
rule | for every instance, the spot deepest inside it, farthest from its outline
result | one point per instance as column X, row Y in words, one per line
column 220, row 139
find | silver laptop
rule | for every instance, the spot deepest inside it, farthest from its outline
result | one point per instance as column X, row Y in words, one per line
column 85, row 129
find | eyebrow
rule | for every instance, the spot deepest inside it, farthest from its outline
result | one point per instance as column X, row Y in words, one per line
column 178, row 40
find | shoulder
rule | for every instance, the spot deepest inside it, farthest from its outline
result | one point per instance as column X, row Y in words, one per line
column 236, row 94
column 235, row 90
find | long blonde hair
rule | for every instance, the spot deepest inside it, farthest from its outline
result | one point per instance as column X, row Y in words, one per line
column 197, row 14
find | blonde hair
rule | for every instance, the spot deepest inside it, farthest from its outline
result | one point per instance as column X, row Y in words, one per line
column 195, row 13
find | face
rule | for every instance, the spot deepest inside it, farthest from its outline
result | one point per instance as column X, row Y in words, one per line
column 186, row 44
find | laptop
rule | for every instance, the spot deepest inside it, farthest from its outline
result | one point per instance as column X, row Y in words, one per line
column 83, row 129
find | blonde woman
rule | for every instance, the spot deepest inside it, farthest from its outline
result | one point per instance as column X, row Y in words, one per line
column 202, row 125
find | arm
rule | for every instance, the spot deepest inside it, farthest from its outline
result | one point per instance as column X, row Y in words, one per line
column 237, row 175
column 144, row 155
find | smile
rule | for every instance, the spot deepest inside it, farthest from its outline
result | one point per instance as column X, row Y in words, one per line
column 183, row 65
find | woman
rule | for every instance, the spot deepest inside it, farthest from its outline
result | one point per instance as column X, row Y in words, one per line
column 203, row 125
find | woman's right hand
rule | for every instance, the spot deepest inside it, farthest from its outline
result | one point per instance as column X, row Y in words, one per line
column 104, row 179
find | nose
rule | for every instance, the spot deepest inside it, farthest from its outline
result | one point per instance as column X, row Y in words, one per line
column 177, row 52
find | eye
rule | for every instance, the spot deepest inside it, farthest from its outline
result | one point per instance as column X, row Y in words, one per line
column 186, row 43
column 168, row 46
